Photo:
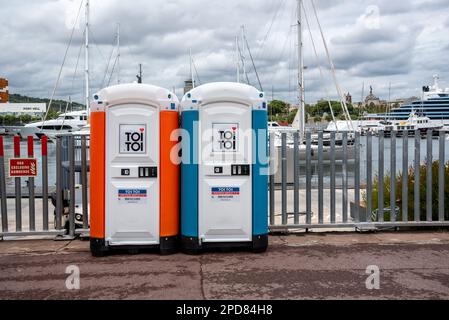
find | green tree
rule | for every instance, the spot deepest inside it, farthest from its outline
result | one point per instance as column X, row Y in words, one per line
column 277, row 107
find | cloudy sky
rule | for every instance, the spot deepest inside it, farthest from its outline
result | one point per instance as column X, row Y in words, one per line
column 375, row 42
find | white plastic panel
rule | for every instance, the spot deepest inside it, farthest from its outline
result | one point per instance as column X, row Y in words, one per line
column 132, row 202
column 225, row 201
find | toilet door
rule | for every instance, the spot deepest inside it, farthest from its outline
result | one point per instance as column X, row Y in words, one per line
column 132, row 175
column 225, row 183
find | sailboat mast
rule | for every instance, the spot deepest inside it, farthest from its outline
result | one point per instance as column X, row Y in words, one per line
column 301, row 110
column 86, row 61
column 118, row 53
column 237, row 58
column 242, row 52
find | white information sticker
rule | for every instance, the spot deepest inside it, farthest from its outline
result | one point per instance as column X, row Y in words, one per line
column 225, row 194
column 132, row 196
column 133, row 139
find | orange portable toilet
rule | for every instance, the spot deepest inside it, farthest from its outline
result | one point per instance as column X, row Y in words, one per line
column 134, row 183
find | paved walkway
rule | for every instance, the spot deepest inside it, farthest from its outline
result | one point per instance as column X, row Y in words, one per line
column 314, row 266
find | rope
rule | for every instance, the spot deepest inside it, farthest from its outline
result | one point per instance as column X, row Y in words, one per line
column 318, row 62
column 196, row 71
column 254, row 65
column 109, row 63
column 112, row 71
column 242, row 59
column 62, row 66
column 334, row 76
column 264, row 41
column 73, row 82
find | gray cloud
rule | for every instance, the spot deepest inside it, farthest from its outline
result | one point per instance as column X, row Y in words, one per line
column 406, row 49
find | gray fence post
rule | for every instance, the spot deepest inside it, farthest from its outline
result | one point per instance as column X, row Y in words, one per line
column 284, row 179
column 441, row 177
column 72, row 186
column 31, row 189
column 393, row 217
column 381, row 204
column 320, row 179
column 309, row 178
column 4, row 203
column 84, row 182
column 18, row 187
column 44, row 149
column 345, row 177
column 357, row 177
column 59, row 184
column 296, row 173
column 417, row 186
column 405, row 178
column 369, row 178
column 333, row 180
column 429, row 185
column 272, row 180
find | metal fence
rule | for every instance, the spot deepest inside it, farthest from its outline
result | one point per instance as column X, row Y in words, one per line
column 14, row 198
column 72, row 184
column 59, row 201
column 328, row 182
column 354, row 191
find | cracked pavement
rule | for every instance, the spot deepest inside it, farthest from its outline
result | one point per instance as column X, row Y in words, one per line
column 312, row 266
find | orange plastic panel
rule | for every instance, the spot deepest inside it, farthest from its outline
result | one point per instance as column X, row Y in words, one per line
column 170, row 175
column 97, row 175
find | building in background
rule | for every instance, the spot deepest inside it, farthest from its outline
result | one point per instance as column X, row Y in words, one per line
column 188, row 85
column 18, row 109
column 348, row 98
column 4, row 90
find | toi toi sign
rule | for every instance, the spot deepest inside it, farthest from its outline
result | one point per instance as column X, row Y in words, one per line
column 133, row 139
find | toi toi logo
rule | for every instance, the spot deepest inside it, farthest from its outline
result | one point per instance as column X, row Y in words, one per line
column 132, row 139
column 228, row 140
column 225, row 137
column 371, row 18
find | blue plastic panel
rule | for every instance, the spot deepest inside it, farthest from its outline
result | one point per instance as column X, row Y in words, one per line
column 260, row 176
column 189, row 176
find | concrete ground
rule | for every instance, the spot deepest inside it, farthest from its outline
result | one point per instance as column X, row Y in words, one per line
column 313, row 266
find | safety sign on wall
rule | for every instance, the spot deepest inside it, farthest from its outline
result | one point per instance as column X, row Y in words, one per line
column 132, row 196
column 225, row 137
column 133, row 139
column 225, row 194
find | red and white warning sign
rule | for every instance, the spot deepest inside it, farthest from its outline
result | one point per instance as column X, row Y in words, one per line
column 23, row 168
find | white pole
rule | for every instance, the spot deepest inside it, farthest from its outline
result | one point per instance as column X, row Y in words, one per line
column 118, row 53
column 243, row 54
column 237, row 58
column 86, row 61
column 302, row 118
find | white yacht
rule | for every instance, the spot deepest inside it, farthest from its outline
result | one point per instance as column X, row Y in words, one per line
column 65, row 123
column 414, row 123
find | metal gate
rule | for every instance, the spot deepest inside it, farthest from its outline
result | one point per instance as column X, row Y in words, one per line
column 42, row 205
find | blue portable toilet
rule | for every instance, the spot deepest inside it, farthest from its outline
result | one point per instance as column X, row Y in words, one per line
column 224, row 170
